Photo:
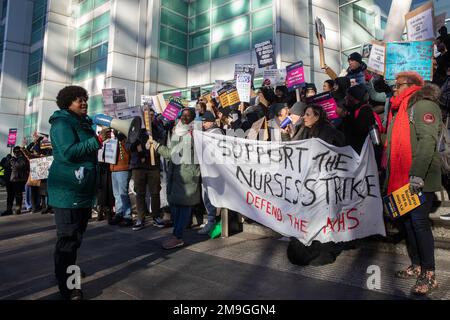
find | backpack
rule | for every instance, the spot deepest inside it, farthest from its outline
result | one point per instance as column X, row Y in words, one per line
column 444, row 148
column 378, row 120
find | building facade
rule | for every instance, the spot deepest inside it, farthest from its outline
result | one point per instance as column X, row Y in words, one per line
column 152, row 46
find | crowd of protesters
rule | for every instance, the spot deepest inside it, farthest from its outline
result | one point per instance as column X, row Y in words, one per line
column 408, row 113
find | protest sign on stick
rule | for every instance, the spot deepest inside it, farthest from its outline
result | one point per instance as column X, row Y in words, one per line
column 409, row 56
column 39, row 167
column 377, row 58
column 265, row 54
column 327, row 102
column 12, row 137
column 295, row 76
column 114, row 99
column 172, row 110
column 320, row 33
column 420, row 23
column 292, row 188
column 243, row 86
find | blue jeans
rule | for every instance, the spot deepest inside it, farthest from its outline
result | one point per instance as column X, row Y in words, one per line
column 181, row 217
column 27, row 197
column 210, row 209
column 120, row 182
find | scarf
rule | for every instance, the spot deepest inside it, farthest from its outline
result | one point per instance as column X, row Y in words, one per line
column 400, row 158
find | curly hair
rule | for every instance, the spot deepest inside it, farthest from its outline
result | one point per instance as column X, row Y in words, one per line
column 69, row 94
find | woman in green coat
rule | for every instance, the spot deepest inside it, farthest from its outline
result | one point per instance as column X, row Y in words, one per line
column 72, row 178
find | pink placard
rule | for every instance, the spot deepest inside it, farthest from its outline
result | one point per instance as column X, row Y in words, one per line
column 327, row 102
column 295, row 76
column 172, row 110
column 12, row 137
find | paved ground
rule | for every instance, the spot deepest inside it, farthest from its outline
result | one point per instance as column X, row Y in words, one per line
column 124, row 264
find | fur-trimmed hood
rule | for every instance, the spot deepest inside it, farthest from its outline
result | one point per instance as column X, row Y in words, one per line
column 428, row 92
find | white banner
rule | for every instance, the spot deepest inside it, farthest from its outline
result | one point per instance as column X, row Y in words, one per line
column 39, row 167
column 306, row 189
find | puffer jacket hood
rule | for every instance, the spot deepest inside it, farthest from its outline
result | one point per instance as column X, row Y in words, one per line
column 429, row 92
column 59, row 114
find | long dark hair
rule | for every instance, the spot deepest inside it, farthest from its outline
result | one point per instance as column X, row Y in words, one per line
column 322, row 121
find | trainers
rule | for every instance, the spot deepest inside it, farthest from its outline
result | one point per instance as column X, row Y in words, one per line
column 206, row 229
column 138, row 226
column 158, row 222
column 445, row 217
column 172, row 243
column 6, row 213
column 126, row 223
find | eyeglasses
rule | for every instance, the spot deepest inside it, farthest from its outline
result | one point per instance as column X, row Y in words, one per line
column 398, row 85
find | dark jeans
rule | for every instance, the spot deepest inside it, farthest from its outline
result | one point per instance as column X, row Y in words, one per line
column 70, row 227
column 143, row 178
column 35, row 199
column 181, row 217
column 419, row 238
column 9, row 195
column 18, row 189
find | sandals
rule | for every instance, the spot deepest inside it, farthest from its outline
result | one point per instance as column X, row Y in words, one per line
column 425, row 283
column 412, row 272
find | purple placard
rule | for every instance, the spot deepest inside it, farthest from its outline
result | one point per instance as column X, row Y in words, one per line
column 327, row 102
column 172, row 110
column 295, row 76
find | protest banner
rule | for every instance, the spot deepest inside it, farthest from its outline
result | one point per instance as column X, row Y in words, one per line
column 420, row 23
column 244, row 68
column 306, row 189
column 243, row 86
column 172, row 110
column 409, row 56
column 274, row 77
column 401, row 201
column 114, row 99
column 12, row 137
column 256, row 129
column 39, row 167
column 377, row 58
column 265, row 54
column 327, row 102
column 295, row 76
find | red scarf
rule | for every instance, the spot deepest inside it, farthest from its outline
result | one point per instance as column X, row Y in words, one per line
column 400, row 159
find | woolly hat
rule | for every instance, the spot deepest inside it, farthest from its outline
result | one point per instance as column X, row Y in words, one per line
column 356, row 57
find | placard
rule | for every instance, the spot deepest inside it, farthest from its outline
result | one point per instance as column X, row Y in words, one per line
column 265, row 54
column 320, row 28
column 409, row 56
column 228, row 96
column 367, row 47
column 12, row 137
column 244, row 68
column 420, row 23
column 39, row 167
column 295, row 76
column 114, row 99
column 195, row 93
column 274, row 77
column 401, row 201
column 172, row 110
column 243, row 86
column 327, row 102
column 377, row 58
column 108, row 152
column 130, row 113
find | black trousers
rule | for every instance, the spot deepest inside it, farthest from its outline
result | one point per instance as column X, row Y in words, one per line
column 10, row 195
column 419, row 237
column 70, row 227
column 18, row 189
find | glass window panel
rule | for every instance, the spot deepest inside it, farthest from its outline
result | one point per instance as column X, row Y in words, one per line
column 34, row 78
column 198, row 6
column 34, row 67
column 83, row 44
column 82, row 59
column 35, row 56
column 262, row 35
column 37, row 35
column 81, row 73
column 172, row 54
column 100, row 36
column 86, row 6
column 172, row 36
column 37, row 24
column 199, row 56
column 95, row 105
column 99, row 52
column 199, row 39
column 217, row 3
column 173, row 20
column 100, row 22
column 262, row 18
column 256, row 4
column 84, row 30
column 199, row 22
column 230, row 10
column 233, row 28
column 230, row 46
column 99, row 67
column 181, row 7
column 98, row 3
column 39, row 10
